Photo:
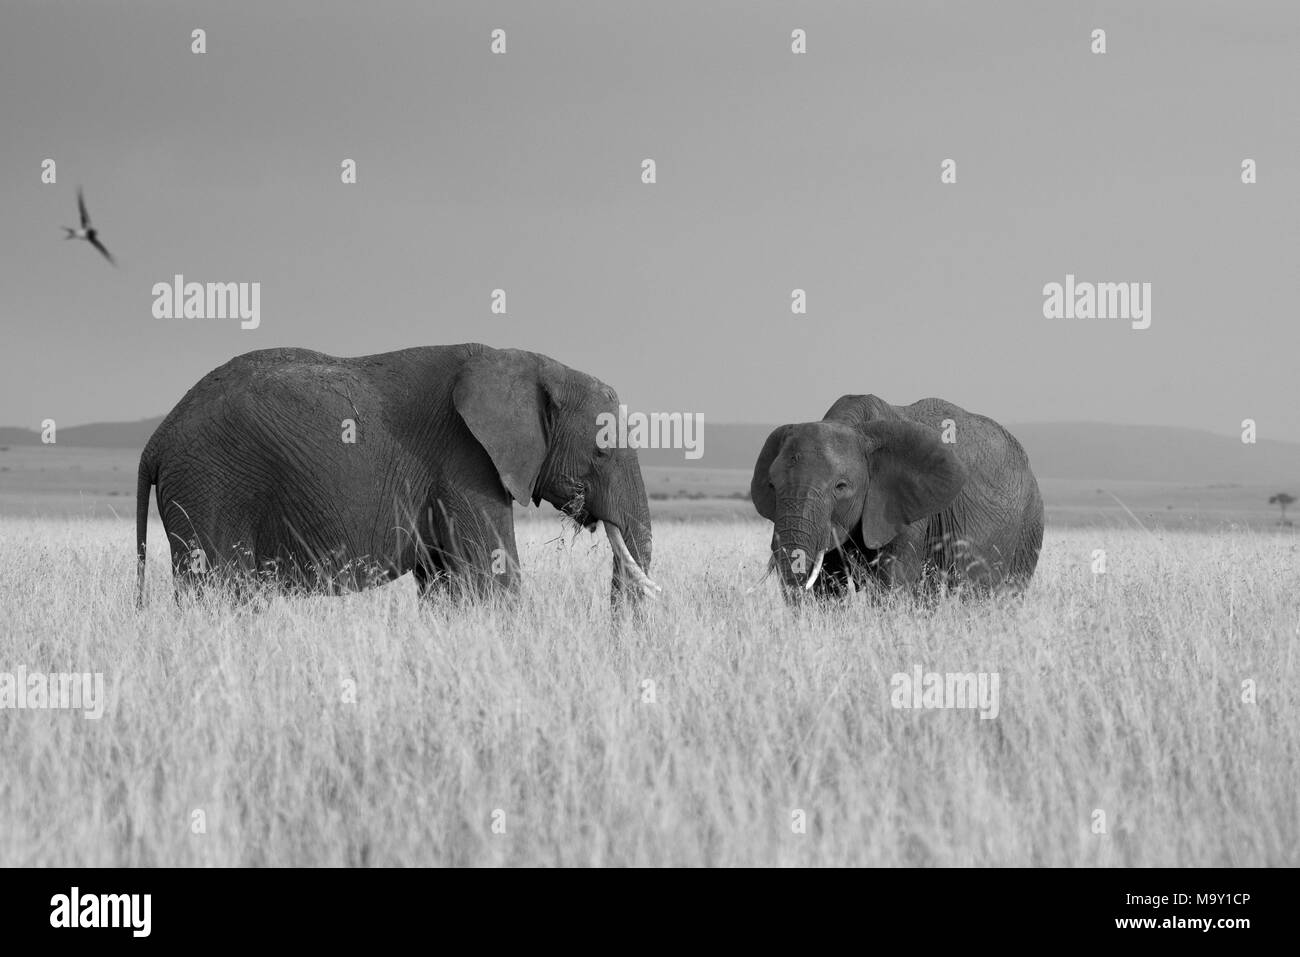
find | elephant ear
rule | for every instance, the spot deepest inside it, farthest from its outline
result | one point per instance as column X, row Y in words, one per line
column 760, row 487
column 503, row 400
column 859, row 410
column 911, row 475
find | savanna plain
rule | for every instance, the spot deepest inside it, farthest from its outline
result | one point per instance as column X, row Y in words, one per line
column 1147, row 713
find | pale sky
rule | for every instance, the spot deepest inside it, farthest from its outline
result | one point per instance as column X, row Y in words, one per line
column 775, row 171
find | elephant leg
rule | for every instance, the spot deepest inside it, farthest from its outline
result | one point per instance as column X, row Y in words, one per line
column 853, row 569
column 833, row 582
column 190, row 570
column 472, row 550
column 902, row 563
column 980, row 570
column 1030, row 542
column 431, row 576
column 930, row 559
column 209, row 553
column 969, row 560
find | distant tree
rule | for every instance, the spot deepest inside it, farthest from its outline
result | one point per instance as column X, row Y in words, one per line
column 1282, row 500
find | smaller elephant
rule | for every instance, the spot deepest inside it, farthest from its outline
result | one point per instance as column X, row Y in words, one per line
column 882, row 496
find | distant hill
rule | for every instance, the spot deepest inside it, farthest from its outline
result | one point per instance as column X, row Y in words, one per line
column 97, row 435
column 724, row 447
column 1067, row 450
column 1154, row 454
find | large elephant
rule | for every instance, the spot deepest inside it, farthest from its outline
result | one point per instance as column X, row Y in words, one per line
column 333, row 473
column 876, row 495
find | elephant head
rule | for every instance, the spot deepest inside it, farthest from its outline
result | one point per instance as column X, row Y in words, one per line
column 849, row 476
column 538, row 421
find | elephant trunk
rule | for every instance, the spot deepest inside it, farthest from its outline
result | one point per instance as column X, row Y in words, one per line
column 627, row 523
column 802, row 535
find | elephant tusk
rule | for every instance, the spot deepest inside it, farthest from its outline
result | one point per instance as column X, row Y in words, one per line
column 628, row 563
column 817, row 570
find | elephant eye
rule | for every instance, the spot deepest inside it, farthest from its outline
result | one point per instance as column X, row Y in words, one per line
column 841, row 486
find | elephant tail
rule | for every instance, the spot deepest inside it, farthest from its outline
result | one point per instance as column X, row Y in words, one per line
column 145, row 480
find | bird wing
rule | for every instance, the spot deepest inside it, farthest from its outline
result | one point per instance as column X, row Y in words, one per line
column 94, row 241
column 81, row 204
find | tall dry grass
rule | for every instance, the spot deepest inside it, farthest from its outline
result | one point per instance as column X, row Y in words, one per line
column 1120, row 692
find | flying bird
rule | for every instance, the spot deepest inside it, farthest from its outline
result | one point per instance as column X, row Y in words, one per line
column 87, row 231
